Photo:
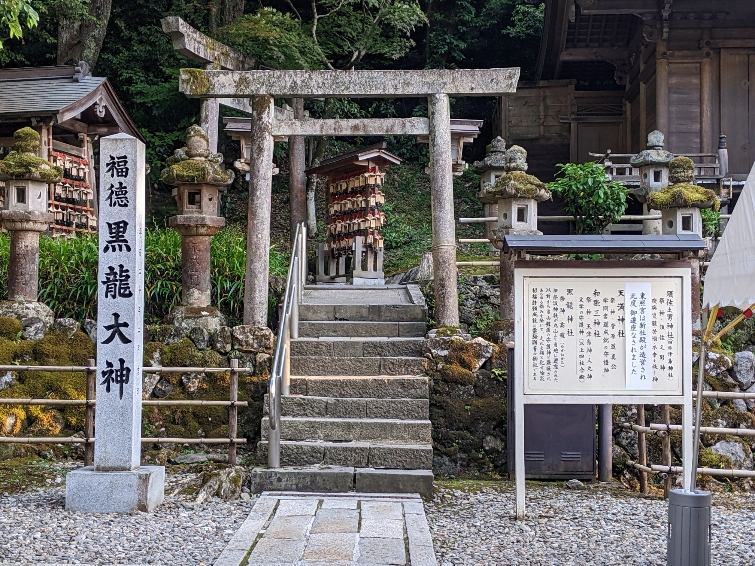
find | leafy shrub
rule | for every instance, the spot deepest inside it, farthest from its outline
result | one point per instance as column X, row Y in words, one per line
column 68, row 273
column 590, row 196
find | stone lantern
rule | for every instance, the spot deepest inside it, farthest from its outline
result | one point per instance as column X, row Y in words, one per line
column 198, row 176
column 653, row 164
column 680, row 202
column 517, row 195
column 24, row 214
column 490, row 169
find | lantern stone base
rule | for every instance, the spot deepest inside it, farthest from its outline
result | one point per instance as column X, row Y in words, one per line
column 186, row 318
column 92, row 491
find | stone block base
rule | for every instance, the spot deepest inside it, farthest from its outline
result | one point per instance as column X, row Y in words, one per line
column 210, row 318
column 90, row 491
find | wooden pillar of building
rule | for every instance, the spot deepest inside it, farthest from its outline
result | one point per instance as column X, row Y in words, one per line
column 297, row 175
column 444, row 222
column 258, row 222
column 661, row 90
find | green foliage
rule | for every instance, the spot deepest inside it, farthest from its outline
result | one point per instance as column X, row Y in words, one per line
column 593, row 199
column 711, row 222
column 14, row 14
column 68, row 273
column 273, row 38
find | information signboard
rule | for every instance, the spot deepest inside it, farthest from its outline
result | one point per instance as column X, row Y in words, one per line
column 590, row 334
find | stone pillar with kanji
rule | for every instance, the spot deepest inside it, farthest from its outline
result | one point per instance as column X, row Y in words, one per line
column 198, row 177
column 118, row 483
column 24, row 215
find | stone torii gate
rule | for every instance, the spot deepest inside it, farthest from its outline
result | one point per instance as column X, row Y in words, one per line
column 262, row 86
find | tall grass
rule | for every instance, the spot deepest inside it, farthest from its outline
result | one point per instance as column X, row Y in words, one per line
column 68, row 273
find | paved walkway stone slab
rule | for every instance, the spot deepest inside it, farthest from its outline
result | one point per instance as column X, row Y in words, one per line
column 322, row 529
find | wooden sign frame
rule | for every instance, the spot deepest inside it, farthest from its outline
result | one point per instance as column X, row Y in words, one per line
column 630, row 273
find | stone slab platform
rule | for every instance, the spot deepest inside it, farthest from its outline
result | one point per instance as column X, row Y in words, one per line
column 345, row 529
column 92, row 491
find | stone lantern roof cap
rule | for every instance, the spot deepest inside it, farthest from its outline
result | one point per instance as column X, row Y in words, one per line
column 23, row 161
column 195, row 164
column 654, row 154
column 495, row 158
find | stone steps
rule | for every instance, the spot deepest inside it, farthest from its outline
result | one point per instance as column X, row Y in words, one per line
column 341, row 479
column 391, row 431
column 357, row 347
column 356, row 454
column 364, row 312
column 369, row 387
column 361, row 366
column 361, row 329
column 344, row 408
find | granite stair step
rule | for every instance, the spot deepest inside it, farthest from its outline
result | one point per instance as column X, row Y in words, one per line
column 357, row 454
column 373, row 387
column 363, row 312
column 361, row 329
column 357, row 347
column 362, row 366
column 340, row 479
column 349, row 430
column 345, row 408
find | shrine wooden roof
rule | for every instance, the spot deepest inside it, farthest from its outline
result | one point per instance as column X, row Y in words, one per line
column 598, row 244
column 357, row 160
column 68, row 94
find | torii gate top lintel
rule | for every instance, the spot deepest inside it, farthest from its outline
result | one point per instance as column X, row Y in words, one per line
column 197, row 83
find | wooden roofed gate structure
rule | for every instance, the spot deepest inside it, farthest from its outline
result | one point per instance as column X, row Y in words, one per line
column 235, row 87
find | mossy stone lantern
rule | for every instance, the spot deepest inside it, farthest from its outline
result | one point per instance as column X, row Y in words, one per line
column 199, row 177
column 653, row 165
column 680, row 202
column 491, row 169
column 24, row 213
column 517, row 195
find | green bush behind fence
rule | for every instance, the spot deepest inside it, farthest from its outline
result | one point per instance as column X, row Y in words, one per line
column 68, row 273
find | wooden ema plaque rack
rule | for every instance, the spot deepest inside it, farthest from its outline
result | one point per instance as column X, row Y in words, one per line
column 355, row 217
column 71, row 200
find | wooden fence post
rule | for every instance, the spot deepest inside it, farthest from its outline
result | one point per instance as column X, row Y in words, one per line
column 642, row 450
column 233, row 412
column 666, row 445
column 89, row 412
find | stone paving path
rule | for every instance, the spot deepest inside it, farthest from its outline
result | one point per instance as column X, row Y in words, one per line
column 349, row 529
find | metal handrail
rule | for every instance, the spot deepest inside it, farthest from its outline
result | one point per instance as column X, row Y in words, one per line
column 288, row 327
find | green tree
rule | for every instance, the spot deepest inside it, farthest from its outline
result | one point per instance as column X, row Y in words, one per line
column 14, row 15
column 590, row 196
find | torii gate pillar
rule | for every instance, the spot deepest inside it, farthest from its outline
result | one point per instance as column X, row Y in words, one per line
column 444, row 221
column 258, row 225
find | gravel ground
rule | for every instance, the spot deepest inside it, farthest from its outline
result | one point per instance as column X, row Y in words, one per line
column 471, row 524
column 35, row 528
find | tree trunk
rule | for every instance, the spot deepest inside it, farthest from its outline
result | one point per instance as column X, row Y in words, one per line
column 82, row 41
column 230, row 11
column 319, row 153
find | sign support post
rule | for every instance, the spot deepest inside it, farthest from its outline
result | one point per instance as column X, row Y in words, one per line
column 116, row 483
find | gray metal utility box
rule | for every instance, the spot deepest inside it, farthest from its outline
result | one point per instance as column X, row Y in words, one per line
column 559, row 440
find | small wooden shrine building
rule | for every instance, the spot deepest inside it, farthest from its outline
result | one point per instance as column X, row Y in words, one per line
column 70, row 109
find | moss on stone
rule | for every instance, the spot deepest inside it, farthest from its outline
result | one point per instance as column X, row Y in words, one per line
column 198, row 81
column 518, row 184
column 681, row 170
column 179, row 354
column 463, row 353
column 26, row 140
column 196, row 171
column 709, row 459
column 17, row 165
column 454, row 373
column 10, row 328
column 681, row 195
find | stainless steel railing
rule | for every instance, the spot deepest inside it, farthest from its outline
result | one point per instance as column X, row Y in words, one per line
column 280, row 376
